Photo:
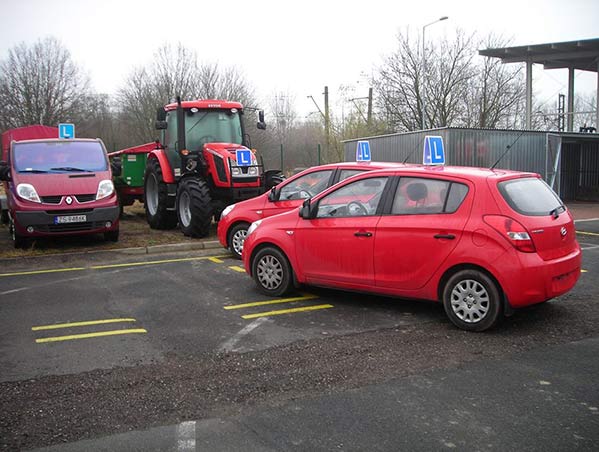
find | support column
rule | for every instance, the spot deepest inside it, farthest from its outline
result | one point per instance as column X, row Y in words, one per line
column 570, row 113
column 597, row 97
column 529, row 95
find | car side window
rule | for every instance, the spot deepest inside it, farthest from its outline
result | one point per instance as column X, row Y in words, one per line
column 427, row 196
column 359, row 198
column 305, row 186
column 345, row 173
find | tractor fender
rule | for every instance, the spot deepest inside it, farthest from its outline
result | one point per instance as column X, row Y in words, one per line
column 165, row 166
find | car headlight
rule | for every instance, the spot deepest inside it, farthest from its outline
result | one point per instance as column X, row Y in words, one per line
column 227, row 210
column 254, row 226
column 28, row 193
column 105, row 188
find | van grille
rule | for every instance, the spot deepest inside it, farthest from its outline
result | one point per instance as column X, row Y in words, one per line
column 86, row 198
column 52, row 199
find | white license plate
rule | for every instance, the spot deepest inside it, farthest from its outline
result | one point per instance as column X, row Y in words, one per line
column 70, row 219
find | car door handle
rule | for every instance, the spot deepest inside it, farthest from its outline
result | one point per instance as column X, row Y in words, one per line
column 363, row 234
column 444, row 236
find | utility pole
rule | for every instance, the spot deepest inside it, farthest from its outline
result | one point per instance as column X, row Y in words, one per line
column 369, row 114
column 327, row 123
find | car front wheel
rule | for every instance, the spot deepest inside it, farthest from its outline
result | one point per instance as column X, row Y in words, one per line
column 272, row 272
column 237, row 236
column 472, row 300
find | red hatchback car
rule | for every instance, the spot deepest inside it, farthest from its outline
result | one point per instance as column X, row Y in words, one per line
column 289, row 194
column 483, row 242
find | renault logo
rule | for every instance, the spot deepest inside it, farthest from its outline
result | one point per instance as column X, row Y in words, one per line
column 563, row 231
column 69, row 200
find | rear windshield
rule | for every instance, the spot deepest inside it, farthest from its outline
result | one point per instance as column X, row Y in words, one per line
column 59, row 157
column 531, row 196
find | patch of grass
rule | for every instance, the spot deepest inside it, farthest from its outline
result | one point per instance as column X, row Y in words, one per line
column 134, row 232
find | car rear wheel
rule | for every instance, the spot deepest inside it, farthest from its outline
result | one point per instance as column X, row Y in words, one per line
column 237, row 236
column 472, row 300
column 272, row 272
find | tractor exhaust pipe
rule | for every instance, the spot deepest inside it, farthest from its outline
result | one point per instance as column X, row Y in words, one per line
column 181, row 145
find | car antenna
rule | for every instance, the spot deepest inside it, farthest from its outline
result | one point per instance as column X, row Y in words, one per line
column 507, row 149
column 411, row 153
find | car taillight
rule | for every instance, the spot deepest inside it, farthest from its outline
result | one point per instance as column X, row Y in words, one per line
column 513, row 231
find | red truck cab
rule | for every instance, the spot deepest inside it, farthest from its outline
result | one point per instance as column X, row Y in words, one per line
column 59, row 187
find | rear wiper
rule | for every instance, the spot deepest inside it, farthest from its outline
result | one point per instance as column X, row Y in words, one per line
column 555, row 212
column 70, row 169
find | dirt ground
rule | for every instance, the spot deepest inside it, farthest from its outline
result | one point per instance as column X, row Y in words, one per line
column 134, row 232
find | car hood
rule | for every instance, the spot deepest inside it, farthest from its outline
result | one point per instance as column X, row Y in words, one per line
column 62, row 183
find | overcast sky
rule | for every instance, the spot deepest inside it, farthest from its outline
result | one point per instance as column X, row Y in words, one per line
column 292, row 46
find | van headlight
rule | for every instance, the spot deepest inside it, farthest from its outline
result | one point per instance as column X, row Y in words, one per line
column 105, row 189
column 227, row 210
column 254, row 226
column 28, row 193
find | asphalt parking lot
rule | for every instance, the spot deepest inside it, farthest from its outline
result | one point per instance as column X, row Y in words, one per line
column 101, row 344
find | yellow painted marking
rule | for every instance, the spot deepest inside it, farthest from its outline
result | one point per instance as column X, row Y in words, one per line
column 89, row 335
column 73, row 324
column 287, row 311
column 237, row 268
column 216, row 260
column 588, row 233
column 583, row 271
column 264, row 303
column 103, row 267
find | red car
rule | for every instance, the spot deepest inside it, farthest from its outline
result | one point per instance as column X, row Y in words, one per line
column 289, row 194
column 483, row 242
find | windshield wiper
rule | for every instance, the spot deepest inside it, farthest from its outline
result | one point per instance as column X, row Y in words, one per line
column 70, row 169
column 555, row 212
column 32, row 170
column 197, row 122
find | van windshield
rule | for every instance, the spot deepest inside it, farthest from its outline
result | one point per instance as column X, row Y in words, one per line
column 59, row 157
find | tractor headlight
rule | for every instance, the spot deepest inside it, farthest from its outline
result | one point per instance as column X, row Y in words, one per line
column 227, row 210
column 28, row 193
column 236, row 171
column 253, row 171
column 254, row 226
column 105, row 189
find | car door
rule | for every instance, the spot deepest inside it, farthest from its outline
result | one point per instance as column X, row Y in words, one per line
column 335, row 247
column 293, row 193
column 425, row 224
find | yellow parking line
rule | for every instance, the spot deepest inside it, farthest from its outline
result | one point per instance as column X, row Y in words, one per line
column 216, row 260
column 103, row 267
column 588, row 233
column 264, row 303
column 237, row 268
column 74, row 324
column 89, row 335
column 287, row 311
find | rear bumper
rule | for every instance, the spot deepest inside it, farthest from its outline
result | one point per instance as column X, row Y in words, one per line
column 43, row 222
column 543, row 280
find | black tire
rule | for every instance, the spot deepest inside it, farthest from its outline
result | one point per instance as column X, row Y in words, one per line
column 272, row 178
column 156, row 198
column 4, row 216
column 272, row 272
column 235, row 238
column 17, row 239
column 111, row 236
column 472, row 301
column 194, row 207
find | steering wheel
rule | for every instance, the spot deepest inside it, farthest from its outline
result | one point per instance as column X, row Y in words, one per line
column 356, row 208
column 207, row 139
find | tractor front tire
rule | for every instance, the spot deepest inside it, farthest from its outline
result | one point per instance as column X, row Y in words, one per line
column 194, row 207
column 156, row 198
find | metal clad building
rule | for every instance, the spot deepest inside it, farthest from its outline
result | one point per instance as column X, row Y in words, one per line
column 567, row 161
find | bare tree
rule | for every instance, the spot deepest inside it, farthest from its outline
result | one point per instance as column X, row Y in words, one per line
column 40, row 84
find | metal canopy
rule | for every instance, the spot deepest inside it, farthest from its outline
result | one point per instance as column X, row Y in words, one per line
column 582, row 55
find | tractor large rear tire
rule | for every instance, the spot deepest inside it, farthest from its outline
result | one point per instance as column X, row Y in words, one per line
column 156, row 198
column 194, row 207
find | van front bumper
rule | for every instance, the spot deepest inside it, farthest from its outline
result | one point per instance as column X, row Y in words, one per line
column 99, row 219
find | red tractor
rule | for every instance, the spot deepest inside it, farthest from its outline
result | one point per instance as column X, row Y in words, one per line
column 202, row 163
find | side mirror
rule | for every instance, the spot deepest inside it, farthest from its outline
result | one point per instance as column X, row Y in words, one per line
column 160, row 114
column 304, row 211
column 4, row 171
column 273, row 195
column 261, row 124
column 161, row 125
column 116, row 167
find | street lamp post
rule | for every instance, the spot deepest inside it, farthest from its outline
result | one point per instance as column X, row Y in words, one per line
column 424, row 70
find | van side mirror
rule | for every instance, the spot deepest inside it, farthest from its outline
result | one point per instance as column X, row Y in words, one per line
column 116, row 167
column 4, row 171
column 261, row 124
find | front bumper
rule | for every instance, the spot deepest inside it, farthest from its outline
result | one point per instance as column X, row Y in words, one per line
column 43, row 222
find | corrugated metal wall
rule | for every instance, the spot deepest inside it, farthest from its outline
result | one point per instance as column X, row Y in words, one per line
column 580, row 170
column 464, row 147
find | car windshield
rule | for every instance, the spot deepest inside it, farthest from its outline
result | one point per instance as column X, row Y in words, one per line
column 59, row 157
column 212, row 126
column 531, row 196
